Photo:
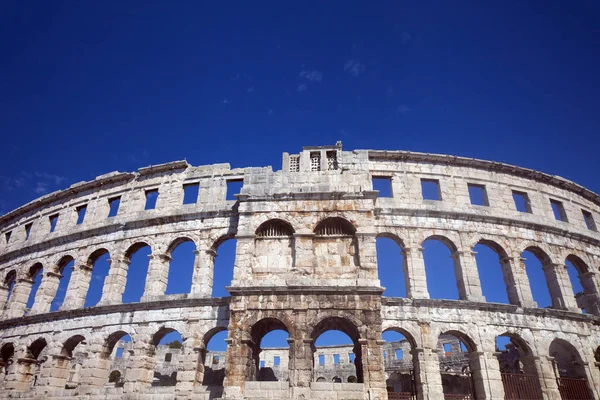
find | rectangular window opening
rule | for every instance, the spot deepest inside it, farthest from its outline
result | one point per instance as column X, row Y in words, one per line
column 478, row 194
column 321, row 359
column 522, row 202
column 113, row 206
column 399, row 354
column 119, row 353
column 215, row 360
column 430, row 189
column 559, row 210
column 276, row 361
column 53, row 221
column 7, row 236
column 383, row 184
column 589, row 220
column 294, row 163
column 28, row 230
column 315, row 161
column 351, row 357
column 81, row 214
column 262, row 363
column 385, row 355
column 332, row 161
column 336, row 358
column 448, row 348
column 151, row 198
column 190, row 193
column 168, row 357
column 234, row 186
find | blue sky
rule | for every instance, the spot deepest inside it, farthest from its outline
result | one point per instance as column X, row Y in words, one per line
column 92, row 87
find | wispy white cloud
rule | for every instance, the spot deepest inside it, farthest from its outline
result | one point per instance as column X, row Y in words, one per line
column 58, row 180
column 311, row 76
column 40, row 188
column 270, row 111
column 302, row 87
column 225, row 101
column 354, row 67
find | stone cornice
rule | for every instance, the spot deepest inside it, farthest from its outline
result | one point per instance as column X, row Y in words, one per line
column 492, row 166
column 293, row 290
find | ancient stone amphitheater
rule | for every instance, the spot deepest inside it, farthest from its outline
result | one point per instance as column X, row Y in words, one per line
column 306, row 263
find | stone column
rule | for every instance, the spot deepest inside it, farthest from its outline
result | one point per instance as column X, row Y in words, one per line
column 545, row 367
column 427, row 374
column 78, row 287
column 20, row 376
column 114, row 285
column 13, row 379
column 158, row 274
column 238, row 364
column 55, row 375
column 46, row 293
column 517, row 282
column 367, row 256
column 94, row 368
column 3, row 297
column 18, row 300
column 414, row 272
column 202, row 281
column 486, row 375
column 373, row 369
column 301, row 362
column 140, row 367
column 590, row 289
column 467, row 276
column 186, row 369
column 560, row 287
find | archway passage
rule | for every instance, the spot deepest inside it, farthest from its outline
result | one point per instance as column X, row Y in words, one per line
column 488, row 256
column 223, row 267
column 336, row 350
column 534, row 260
column 73, row 356
column 181, row 267
column 65, row 269
column 167, row 354
column 570, row 371
column 583, row 284
column 517, row 368
column 455, row 366
column 391, row 266
column 7, row 352
column 119, row 348
column 440, row 268
column 213, row 358
column 100, row 262
column 35, row 274
column 271, row 362
column 36, row 359
column 137, row 272
column 399, row 365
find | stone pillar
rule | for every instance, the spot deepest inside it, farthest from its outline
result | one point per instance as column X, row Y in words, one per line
column 13, row 379
column 427, row 374
column 414, row 272
column 467, row 276
column 545, row 368
column 46, row 293
column 560, row 287
column 55, row 375
column 18, row 301
column 590, row 289
column 186, row 370
column 367, row 256
column 238, row 364
column 487, row 380
column 78, row 287
column 3, row 297
column 517, row 282
column 140, row 367
column 95, row 368
column 373, row 369
column 114, row 285
column 202, row 281
column 158, row 274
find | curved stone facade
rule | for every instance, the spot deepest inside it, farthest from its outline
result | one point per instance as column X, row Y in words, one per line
column 305, row 263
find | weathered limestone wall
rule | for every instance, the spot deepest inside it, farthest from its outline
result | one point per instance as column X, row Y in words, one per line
column 305, row 263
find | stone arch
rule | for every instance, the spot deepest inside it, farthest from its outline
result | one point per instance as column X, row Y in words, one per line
column 274, row 247
column 258, row 331
column 274, row 227
column 335, row 245
column 9, row 281
column 334, row 226
column 588, row 299
column 110, row 342
column 180, row 239
column 70, row 344
column 94, row 255
column 222, row 269
column 216, row 243
column 210, row 372
column 446, row 269
column 409, row 336
column 181, row 265
column 133, row 247
column 494, row 269
column 445, row 239
column 400, row 378
column 162, row 377
column 347, row 325
column 392, row 236
column 34, row 277
column 460, row 368
column 7, row 352
column 549, row 273
column 463, row 337
column 392, row 267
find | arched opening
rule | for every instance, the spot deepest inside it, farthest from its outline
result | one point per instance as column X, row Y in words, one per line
column 214, row 357
column 181, row 266
column 65, row 269
column 73, row 356
column 274, row 248
column 34, row 361
column 440, row 268
column 584, row 287
column 569, row 370
column 336, row 248
column 223, row 266
column 100, row 262
column 336, row 350
column 399, row 364
column 9, row 283
column 534, row 260
column 167, row 353
column 456, row 367
column 517, row 367
column 139, row 259
column 7, row 352
column 391, row 266
column 270, row 352
column 491, row 272
column 35, row 275
column 115, row 357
